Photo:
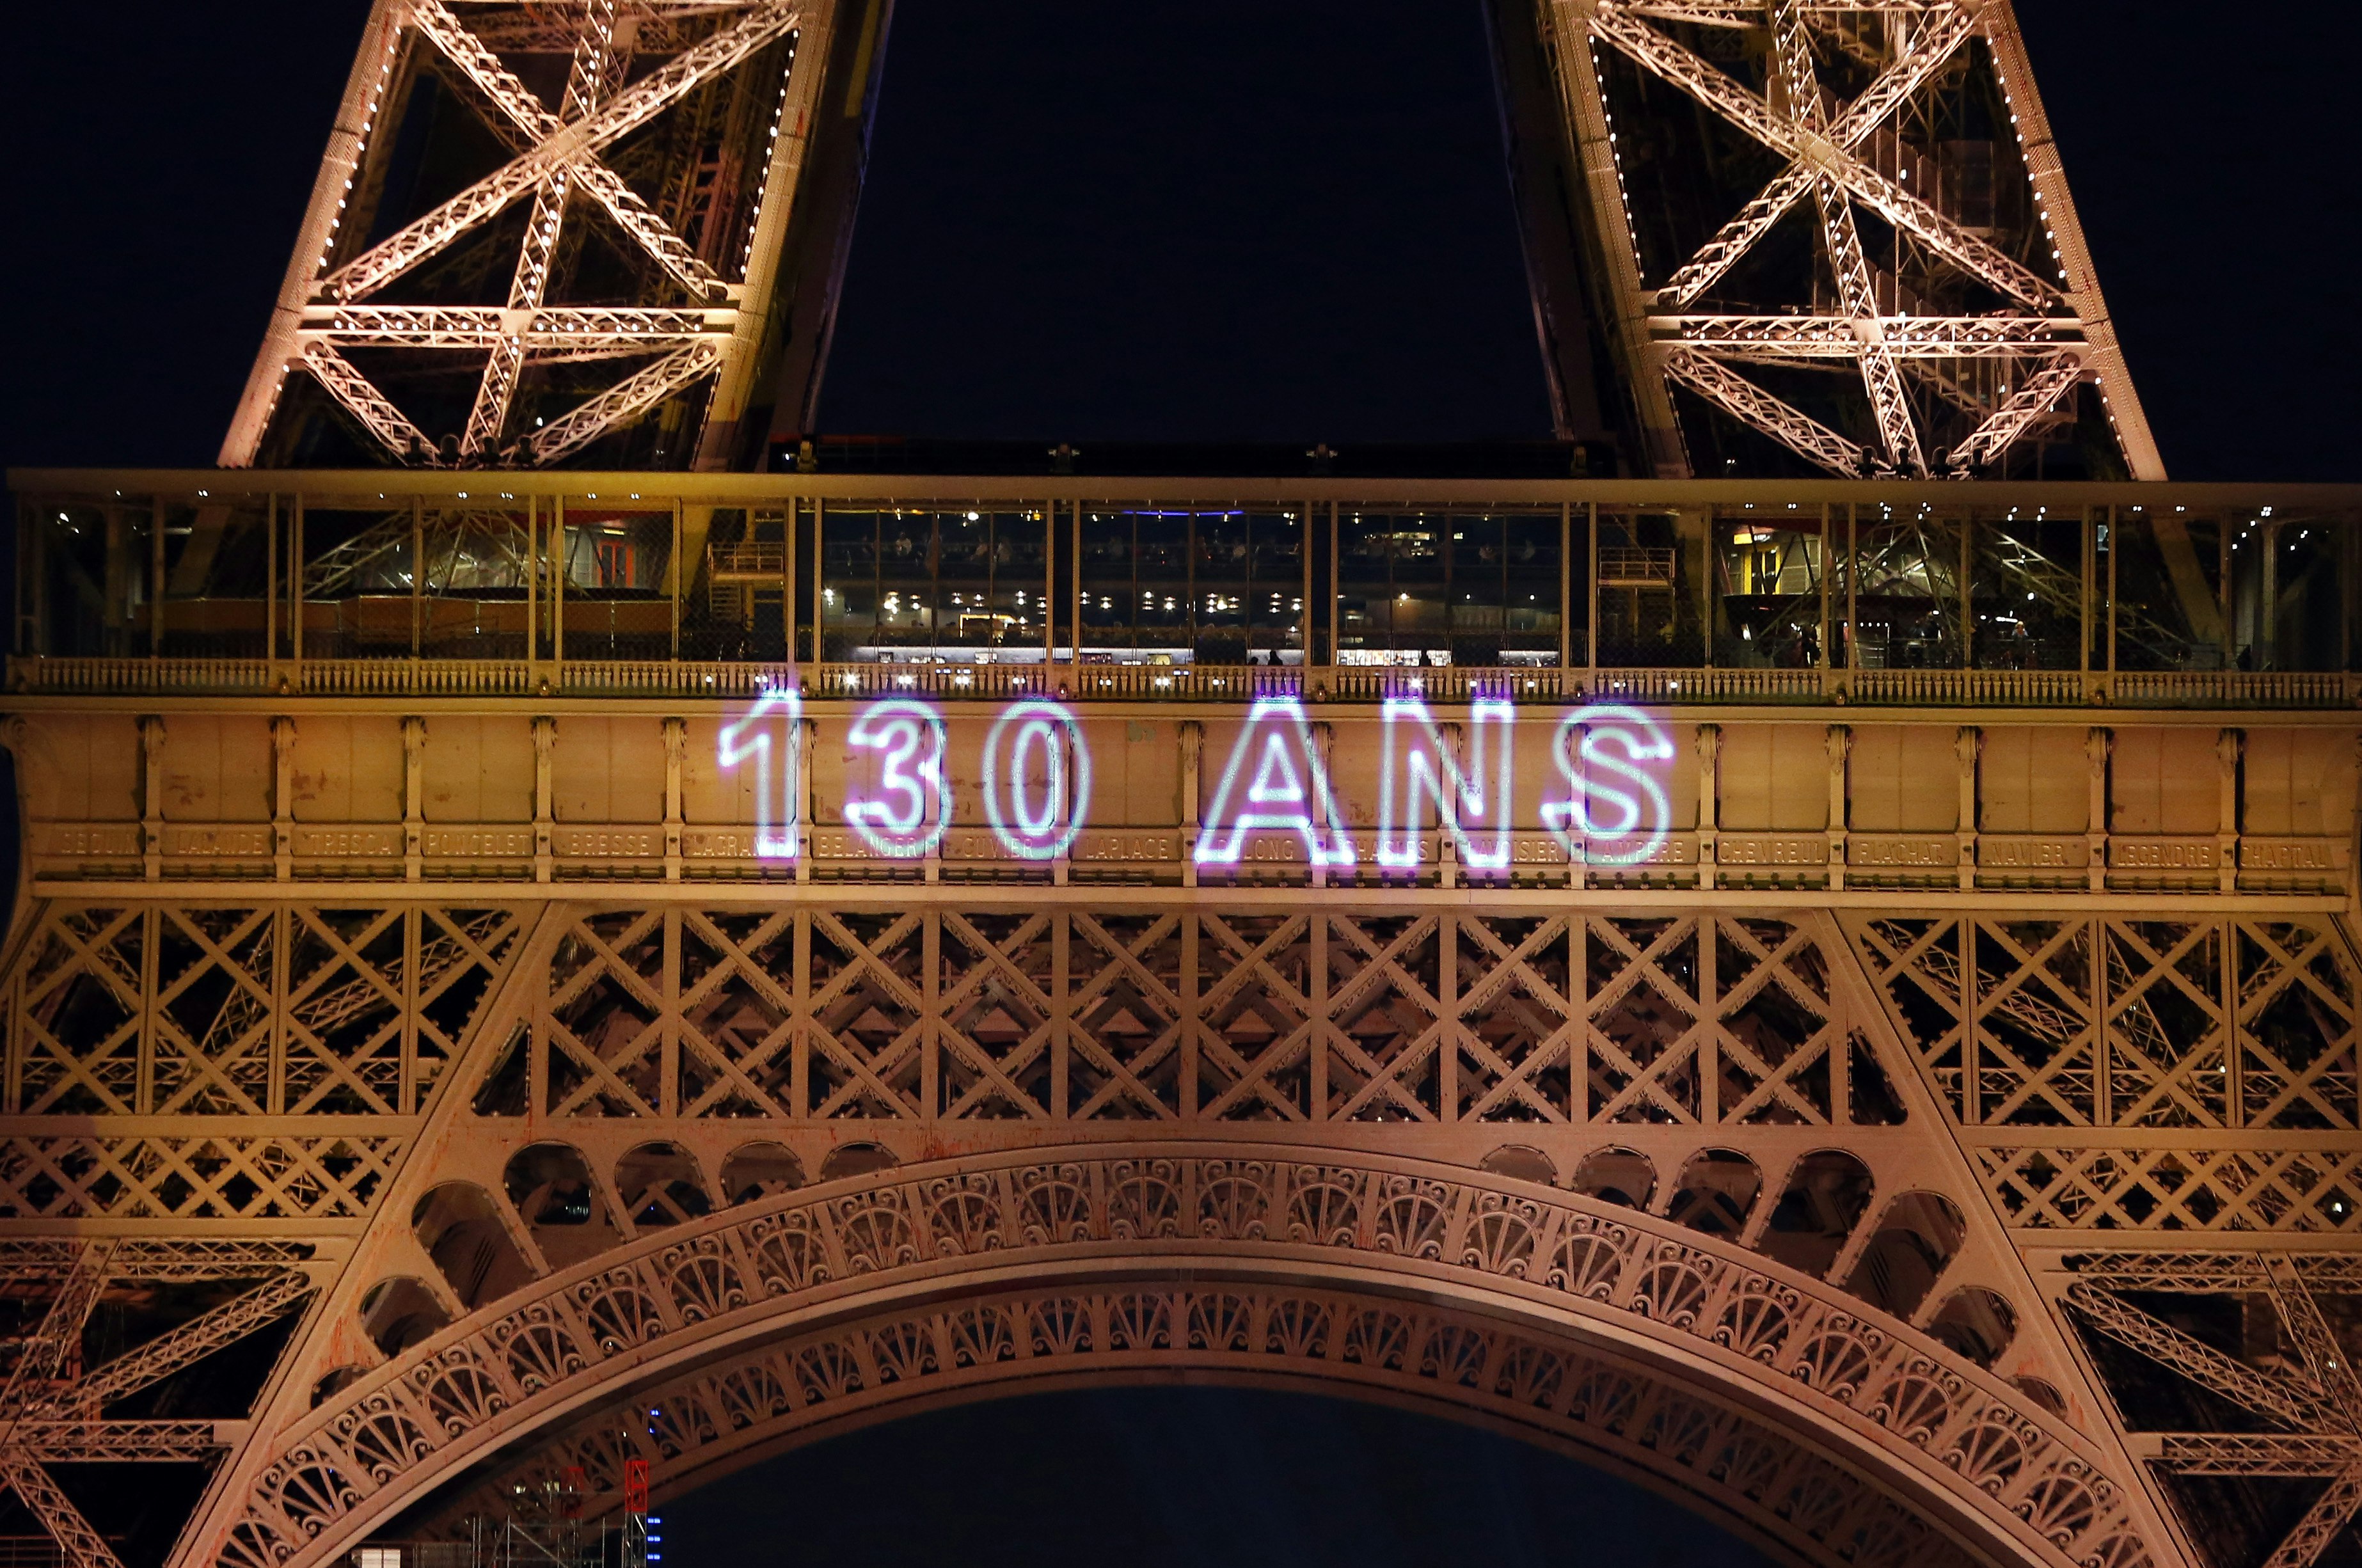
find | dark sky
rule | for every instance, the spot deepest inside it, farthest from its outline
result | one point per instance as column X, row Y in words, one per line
column 1182, row 1478
column 1225, row 219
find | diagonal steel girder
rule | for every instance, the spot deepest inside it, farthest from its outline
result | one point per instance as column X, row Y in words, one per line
column 1743, row 400
column 529, row 284
column 178, row 1347
column 2283, row 1402
column 1898, row 428
column 569, row 144
column 1613, row 24
column 529, row 124
column 1935, row 44
column 82, row 1546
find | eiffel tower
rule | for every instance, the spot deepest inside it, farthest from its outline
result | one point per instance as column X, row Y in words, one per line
column 569, row 939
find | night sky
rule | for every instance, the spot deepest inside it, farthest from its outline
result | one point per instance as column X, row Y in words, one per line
column 1225, row 220
column 1221, row 221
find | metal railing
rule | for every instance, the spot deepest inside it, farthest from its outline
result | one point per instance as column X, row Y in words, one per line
column 949, row 681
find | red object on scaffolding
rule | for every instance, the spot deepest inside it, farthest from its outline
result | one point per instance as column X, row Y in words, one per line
column 636, row 1486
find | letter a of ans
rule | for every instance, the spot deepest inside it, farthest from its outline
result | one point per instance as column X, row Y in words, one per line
column 1271, row 782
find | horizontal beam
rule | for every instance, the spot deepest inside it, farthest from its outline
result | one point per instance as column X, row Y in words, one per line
column 335, row 486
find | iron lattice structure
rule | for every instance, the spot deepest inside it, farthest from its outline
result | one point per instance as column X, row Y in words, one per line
column 596, row 231
column 1817, row 237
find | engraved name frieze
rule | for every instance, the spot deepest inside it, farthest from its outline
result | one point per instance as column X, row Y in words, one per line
column 1771, row 849
column 720, row 844
column 2163, row 854
column 87, row 839
column 1873, row 851
column 2023, row 853
column 585, row 842
column 1105, row 847
column 479, row 841
column 2290, row 854
column 216, row 841
column 347, row 841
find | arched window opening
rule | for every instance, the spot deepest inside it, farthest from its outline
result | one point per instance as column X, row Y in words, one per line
column 1717, row 1191
column 659, row 1185
column 461, row 1227
column 1976, row 1322
column 760, row 1170
column 551, row 1186
column 856, row 1159
column 1826, row 1196
column 1520, row 1163
column 1617, row 1176
column 1914, row 1244
column 2041, row 1393
column 338, row 1380
column 397, row 1314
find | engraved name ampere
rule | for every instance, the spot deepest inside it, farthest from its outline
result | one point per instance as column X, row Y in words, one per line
column 1272, row 796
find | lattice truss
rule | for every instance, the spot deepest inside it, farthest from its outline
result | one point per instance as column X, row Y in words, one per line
column 1864, row 250
column 2241, row 1366
column 1105, row 1016
column 322, row 1019
column 2184, row 1027
column 103, row 1333
column 467, row 308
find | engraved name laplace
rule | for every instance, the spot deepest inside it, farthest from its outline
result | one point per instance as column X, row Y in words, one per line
column 1273, row 798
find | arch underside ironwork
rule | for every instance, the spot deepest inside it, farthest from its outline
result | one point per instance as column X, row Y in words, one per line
column 1836, row 1434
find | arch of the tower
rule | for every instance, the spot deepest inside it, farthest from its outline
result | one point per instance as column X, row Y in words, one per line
column 1823, row 1427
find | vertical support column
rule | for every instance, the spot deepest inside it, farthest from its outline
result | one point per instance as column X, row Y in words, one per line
column 799, row 1045
column 1709, row 756
column 676, row 744
column 295, row 593
column 557, row 590
column 1193, row 745
column 819, row 582
column 155, row 580
column 1074, row 600
column 1049, row 597
column 414, row 799
column 680, row 579
column 1447, row 1007
column 1334, row 629
column 931, row 1006
column 1821, row 629
column 1317, row 1024
column 2083, row 621
column 2116, row 549
column 1578, row 1018
column 532, row 589
column 1324, row 746
column 151, row 797
column 808, row 737
column 1709, row 1023
column 1840, row 747
column 269, row 592
column 1447, row 818
column 1062, row 866
column 1853, row 602
column 668, row 1025
column 417, row 575
column 2229, row 745
column 1591, row 598
column 282, row 802
column 2098, row 742
column 1062, row 1011
column 544, row 741
column 1565, row 591
column 1187, row 1094
column 1968, row 745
